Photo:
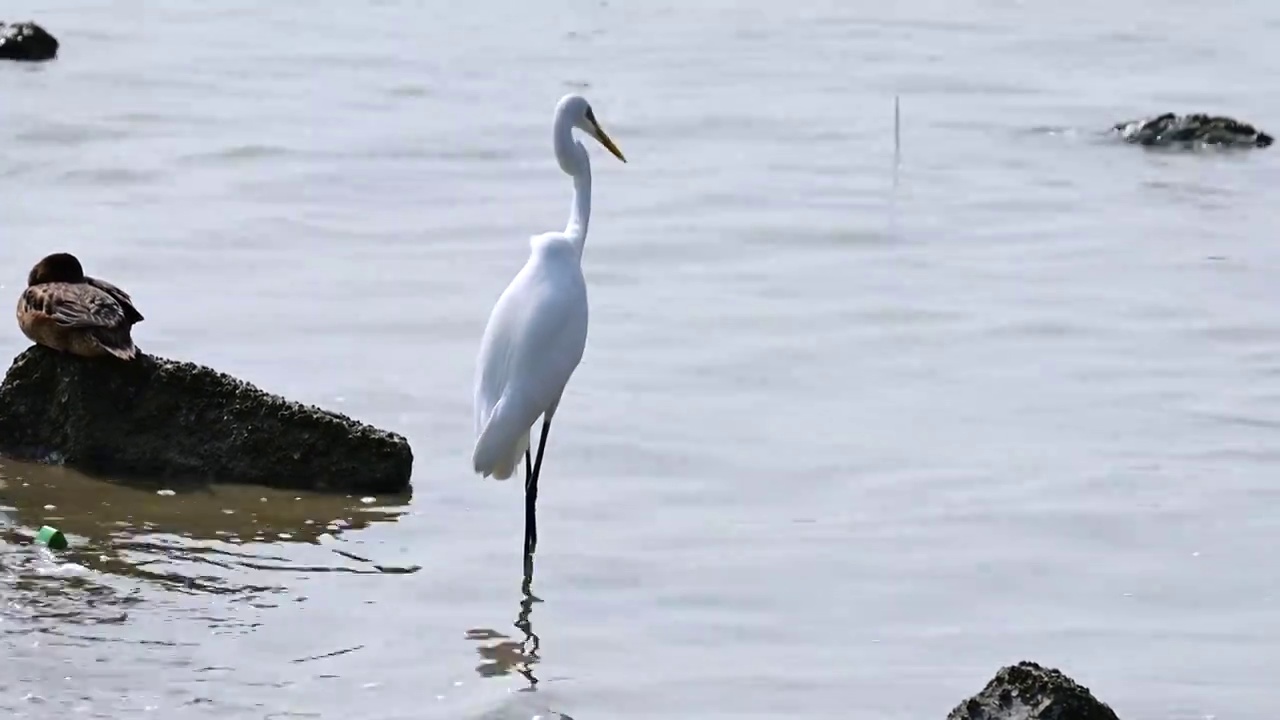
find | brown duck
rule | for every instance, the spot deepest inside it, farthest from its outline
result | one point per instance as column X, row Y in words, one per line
column 64, row 310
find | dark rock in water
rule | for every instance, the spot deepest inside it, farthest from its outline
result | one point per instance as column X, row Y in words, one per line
column 1027, row 691
column 153, row 418
column 1170, row 129
column 26, row 41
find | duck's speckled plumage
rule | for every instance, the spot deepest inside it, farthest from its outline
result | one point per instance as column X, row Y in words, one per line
column 1171, row 129
column 63, row 309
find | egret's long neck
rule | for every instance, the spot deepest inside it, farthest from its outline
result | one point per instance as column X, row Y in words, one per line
column 580, row 210
column 575, row 162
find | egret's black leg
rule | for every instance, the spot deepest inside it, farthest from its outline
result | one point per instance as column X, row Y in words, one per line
column 531, row 496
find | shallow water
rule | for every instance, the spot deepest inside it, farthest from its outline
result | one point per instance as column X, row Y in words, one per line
column 848, row 436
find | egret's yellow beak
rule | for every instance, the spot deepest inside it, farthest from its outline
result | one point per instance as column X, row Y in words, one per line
column 603, row 137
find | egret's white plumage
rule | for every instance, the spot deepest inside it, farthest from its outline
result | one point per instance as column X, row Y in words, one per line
column 532, row 345
column 537, row 331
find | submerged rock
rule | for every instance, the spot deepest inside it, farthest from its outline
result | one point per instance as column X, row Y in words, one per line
column 153, row 418
column 1170, row 129
column 1027, row 691
column 26, row 41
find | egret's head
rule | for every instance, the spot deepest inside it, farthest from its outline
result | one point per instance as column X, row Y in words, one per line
column 578, row 111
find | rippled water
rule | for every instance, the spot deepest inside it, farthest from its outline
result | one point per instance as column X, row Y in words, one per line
column 848, row 435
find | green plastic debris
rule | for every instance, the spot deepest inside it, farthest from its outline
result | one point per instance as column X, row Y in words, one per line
column 52, row 538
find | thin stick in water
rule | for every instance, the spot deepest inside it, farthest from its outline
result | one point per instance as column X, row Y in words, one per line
column 897, row 131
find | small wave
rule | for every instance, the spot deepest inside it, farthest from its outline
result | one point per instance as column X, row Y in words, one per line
column 111, row 176
column 41, row 589
column 1051, row 130
column 408, row 91
column 68, row 134
column 240, row 153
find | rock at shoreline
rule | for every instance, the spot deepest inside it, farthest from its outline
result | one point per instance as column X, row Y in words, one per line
column 153, row 418
column 1171, row 129
column 1027, row 691
column 26, row 41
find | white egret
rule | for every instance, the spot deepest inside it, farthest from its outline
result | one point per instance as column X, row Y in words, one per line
column 537, row 330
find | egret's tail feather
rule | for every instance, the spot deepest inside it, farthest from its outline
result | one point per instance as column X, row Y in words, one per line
column 505, row 469
column 507, row 466
column 501, row 445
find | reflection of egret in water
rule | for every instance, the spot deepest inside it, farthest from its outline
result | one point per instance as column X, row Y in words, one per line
column 193, row 539
column 507, row 655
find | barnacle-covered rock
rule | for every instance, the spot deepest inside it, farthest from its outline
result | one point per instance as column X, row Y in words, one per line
column 1171, row 129
column 164, row 419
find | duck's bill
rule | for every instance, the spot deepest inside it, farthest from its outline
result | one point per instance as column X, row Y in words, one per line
column 603, row 137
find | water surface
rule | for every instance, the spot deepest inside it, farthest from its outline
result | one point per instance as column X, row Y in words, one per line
column 847, row 437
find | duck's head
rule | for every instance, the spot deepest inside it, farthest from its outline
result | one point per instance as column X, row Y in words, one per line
column 58, row 267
